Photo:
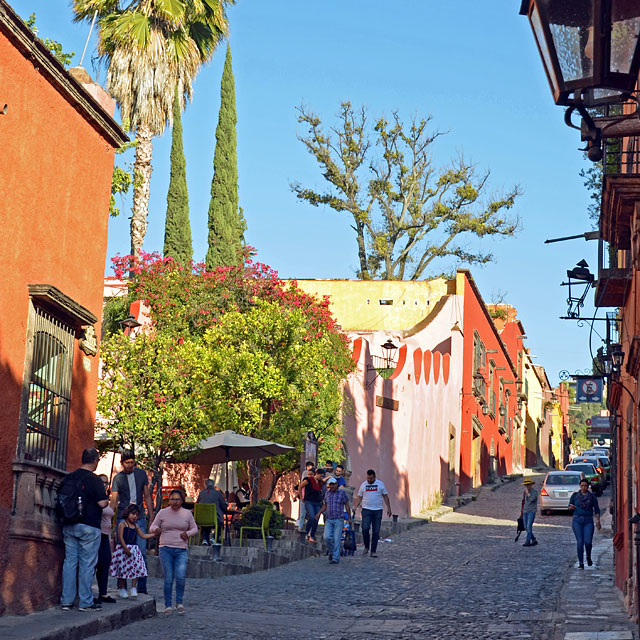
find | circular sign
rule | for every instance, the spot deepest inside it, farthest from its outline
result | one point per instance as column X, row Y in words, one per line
column 600, row 440
column 589, row 387
column 588, row 422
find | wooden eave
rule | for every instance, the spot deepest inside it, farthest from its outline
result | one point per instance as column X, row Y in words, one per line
column 52, row 298
column 47, row 64
column 619, row 196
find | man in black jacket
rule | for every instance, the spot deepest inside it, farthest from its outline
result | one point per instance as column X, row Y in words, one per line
column 82, row 539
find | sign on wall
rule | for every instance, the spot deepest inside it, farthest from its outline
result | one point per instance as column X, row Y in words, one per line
column 588, row 389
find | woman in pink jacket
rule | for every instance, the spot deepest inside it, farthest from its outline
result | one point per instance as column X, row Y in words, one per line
column 176, row 525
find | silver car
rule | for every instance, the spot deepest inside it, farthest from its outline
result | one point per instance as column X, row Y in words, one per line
column 557, row 489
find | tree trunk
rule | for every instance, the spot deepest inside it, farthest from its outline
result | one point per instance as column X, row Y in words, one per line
column 141, row 179
column 362, row 252
column 274, row 482
column 254, row 476
column 156, row 483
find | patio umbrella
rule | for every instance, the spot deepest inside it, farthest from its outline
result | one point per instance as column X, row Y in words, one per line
column 226, row 446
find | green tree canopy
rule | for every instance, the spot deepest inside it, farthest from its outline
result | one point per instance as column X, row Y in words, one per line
column 405, row 212
column 247, row 351
column 177, row 228
column 226, row 222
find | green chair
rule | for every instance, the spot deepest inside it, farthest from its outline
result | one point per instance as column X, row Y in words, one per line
column 266, row 518
column 206, row 515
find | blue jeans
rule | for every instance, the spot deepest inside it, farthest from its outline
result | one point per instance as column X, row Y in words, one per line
column 312, row 509
column 583, row 530
column 81, row 544
column 371, row 519
column 528, row 518
column 300, row 522
column 174, row 567
column 142, row 545
column 332, row 534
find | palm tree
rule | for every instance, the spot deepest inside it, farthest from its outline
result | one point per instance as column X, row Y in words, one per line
column 152, row 48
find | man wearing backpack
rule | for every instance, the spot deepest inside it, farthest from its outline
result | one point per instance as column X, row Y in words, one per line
column 81, row 498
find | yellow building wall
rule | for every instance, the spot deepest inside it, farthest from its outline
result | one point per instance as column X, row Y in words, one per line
column 370, row 305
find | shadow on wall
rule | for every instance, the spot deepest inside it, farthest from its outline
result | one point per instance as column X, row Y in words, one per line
column 10, row 393
column 30, row 569
column 371, row 448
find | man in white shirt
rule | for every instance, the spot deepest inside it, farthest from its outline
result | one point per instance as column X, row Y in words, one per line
column 372, row 495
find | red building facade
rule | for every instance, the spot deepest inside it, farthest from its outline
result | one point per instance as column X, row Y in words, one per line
column 58, row 148
column 489, row 396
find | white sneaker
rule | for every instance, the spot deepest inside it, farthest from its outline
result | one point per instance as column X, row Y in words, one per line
column 205, row 543
column 123, row 593
column 134, row 592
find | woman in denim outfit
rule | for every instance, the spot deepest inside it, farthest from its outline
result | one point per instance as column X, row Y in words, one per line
column 584, row 504
column 529, row 508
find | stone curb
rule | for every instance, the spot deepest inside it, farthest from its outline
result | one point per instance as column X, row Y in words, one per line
column 55, row 624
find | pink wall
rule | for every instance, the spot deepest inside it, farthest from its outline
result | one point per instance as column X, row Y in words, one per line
column 408, row 448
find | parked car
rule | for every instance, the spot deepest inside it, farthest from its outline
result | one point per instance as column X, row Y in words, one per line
column 557, row 489
column 590, row 474
column 597, row 462
column 606, row 463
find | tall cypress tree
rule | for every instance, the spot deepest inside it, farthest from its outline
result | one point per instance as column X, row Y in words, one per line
column 177, row 229
column 226, row 222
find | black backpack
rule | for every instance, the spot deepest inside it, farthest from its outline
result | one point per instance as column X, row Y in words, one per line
column 70, row 502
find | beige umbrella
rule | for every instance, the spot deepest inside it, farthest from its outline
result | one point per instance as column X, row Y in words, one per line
column 226, row 446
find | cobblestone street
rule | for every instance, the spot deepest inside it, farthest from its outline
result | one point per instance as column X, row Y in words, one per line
column 460, row 577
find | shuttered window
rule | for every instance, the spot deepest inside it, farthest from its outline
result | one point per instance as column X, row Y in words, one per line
column 44, row 419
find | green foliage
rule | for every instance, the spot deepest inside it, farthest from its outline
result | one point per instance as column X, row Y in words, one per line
column 593, row 176
column 252, row 517
column 177, row 229
column 148, row 398
column 263, row 357
column 55, row 47
column 122, row 177
column 267, row 372
column 226, row 221
column 405, row 213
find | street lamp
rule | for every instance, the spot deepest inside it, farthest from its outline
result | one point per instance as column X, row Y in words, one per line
column 617, row 356
column 578, row 276
column 385, row 364
column 605, row 362
column 128, row 324
column 589, row 48
column 590, row 51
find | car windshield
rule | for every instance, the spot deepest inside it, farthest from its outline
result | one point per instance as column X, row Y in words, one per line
column 563, row 478
column 605, row 461
column 587, row 468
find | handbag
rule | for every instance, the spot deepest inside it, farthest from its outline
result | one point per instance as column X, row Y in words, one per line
column 350, row 541
column 520, row 527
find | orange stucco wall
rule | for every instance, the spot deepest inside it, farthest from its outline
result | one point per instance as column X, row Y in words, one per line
column 54, row 194
column 475, row 319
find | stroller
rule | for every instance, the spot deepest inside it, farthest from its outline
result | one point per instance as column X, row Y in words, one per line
column 348, row 539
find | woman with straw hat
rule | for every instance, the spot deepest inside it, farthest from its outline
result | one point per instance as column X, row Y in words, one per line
column 529, row 508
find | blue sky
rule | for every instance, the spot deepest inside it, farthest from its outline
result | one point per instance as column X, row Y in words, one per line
column 472, row 65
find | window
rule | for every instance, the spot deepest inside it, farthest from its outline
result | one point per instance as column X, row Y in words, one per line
column 44, row 418
column 507, row 417
column 479, row 358
column 492, row 393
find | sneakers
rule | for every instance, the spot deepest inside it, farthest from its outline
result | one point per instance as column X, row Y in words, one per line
column 374, row 555
column 180, row 609
column 528, row 544
column 534, row 543
column 123, row 593
column 91, row 607
column 66, row 607
column 168, row 611
column 332, row 561
column 581, row 565
column 589, row 562
column 134, row 592
column 107, row 599
column 205, row 543
column 365, row 551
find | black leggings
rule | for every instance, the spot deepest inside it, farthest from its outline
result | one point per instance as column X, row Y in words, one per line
column 104, row 562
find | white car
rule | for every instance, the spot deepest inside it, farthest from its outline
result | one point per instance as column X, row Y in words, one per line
column 557, row 489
